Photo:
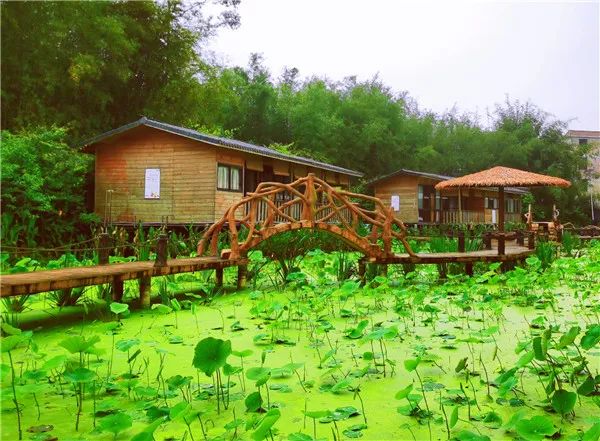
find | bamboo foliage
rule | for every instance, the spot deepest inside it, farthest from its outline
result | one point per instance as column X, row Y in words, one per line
column 308, row 202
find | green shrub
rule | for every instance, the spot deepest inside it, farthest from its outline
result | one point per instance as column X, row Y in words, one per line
column 43, row 189
column 546, row 252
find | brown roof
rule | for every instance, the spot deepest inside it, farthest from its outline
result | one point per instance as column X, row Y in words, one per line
column 503, row 177
column 583, row 133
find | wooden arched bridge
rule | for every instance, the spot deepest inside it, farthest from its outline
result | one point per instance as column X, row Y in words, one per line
column 273, row 208
column 312, row 203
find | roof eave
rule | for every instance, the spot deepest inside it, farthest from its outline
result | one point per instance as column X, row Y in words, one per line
column 87, row 146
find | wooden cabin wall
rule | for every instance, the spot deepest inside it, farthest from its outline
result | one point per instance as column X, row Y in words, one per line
column 188, row 181
column 186, row 195
column 406, row 188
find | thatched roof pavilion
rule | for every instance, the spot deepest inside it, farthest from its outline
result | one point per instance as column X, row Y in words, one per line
column 503, row 177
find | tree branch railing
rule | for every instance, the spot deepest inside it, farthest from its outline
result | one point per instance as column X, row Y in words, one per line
column 308, row 202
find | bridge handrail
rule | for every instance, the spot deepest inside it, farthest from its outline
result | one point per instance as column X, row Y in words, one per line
column 320, row 204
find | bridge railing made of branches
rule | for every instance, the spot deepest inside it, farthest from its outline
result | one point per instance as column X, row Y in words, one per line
column 308, row 202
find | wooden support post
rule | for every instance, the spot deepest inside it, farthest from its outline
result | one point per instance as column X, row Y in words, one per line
column 501, row 244
column 461, row 241
column 460, row 213
column 145, row 290
column 241, row 277
column 117, row 289
column 161, row 251
column 362, row 270
column 383, row 270
column 531, row 240
column 501, row 209
column 219, row 277
column 487, row 240
column 103, row 248
column 520, row 238
column 469, row 269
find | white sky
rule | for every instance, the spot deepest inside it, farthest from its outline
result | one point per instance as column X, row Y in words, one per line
column 444, row 53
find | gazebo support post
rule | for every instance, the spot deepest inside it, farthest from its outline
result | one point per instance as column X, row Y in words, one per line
column 501, row 209
column 460, row 214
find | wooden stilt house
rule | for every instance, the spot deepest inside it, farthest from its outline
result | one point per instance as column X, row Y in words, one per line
column 412, row 196
column 155, row 173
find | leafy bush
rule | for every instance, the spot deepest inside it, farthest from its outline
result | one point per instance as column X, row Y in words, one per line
column 546, row 252
column 43, row 188
column 570, row 242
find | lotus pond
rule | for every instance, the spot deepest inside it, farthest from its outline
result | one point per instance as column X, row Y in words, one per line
column 501, row 355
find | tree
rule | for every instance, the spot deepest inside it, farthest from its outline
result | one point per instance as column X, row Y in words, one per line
column 92, row 66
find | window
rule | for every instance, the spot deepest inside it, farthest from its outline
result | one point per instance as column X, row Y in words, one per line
column 152, row 183
column 229, row 178
column 509, row 205
column 395, row 202
column 583, row 141
column 491, row 203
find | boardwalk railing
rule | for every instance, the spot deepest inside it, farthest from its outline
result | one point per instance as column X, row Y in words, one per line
column 473, row 217
column 308, row 202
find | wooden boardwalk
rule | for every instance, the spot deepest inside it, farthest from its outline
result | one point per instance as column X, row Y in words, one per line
column 512, row 253
column 50, row 280
column 269, row 211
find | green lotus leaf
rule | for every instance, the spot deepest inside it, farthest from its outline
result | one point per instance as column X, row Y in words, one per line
column 564, row 401
column 115, row 423
column 253, row 402
column 266, row 424
column 536, row 428
column 211, row 354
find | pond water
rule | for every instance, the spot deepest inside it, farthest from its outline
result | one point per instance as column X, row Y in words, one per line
column 323, row 342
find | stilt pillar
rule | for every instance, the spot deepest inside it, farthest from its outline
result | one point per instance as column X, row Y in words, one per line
column 145, row 290
column 242, row 275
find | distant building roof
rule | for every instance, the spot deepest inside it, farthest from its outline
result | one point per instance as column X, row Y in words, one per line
column 220, row 142
column 592, row 134
column 405, row 172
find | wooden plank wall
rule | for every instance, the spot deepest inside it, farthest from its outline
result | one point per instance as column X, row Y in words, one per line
column 405, row 187
column 186, row 195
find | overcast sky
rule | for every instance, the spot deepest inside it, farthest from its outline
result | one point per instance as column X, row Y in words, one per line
column 465, row 53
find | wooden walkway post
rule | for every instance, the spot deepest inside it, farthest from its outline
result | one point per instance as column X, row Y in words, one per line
column 117, row 289
column 145, row 291
column 383, row 270
column 103, row 248
column 487, row 240
column 241, row 277
column 501, row 244
column 469, row 269
column 218, row 277
column 362, row 270
column 531, row 240
column 161, row 251
column 461, row 241
column 520, row 238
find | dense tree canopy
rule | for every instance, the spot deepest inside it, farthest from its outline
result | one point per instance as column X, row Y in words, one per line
column 96, row 65
column 92, row 66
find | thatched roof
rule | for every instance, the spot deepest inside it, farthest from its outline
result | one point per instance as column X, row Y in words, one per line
column 503, row 177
